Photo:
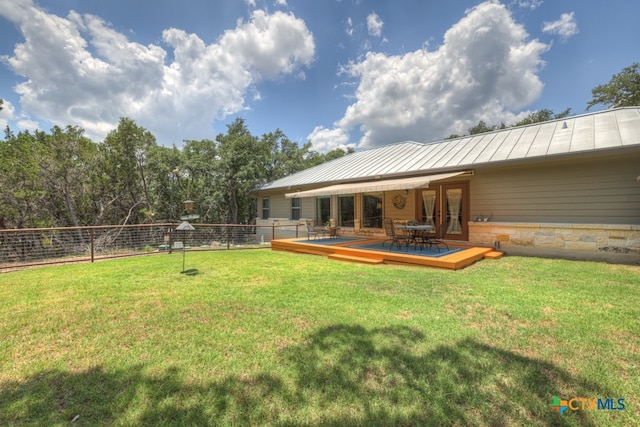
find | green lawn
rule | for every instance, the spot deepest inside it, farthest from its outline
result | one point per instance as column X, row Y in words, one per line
column 270, row 338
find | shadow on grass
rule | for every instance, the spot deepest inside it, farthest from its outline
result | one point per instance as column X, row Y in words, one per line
column 191, row 272
column 341, row 375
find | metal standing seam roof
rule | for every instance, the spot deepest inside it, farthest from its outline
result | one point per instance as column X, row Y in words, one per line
column 605, row 130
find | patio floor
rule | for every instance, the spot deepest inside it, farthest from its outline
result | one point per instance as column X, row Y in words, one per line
column 372, row 251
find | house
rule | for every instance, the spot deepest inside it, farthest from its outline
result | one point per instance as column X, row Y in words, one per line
column 567, row 187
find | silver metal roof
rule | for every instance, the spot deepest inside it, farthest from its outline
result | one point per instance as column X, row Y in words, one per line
column 605, row 130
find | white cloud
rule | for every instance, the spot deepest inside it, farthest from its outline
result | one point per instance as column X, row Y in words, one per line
column 485, row 69
column 30, row 125
column 530, row 4
column 325, row 140
column 80, row 71
column 565, row 27
column 349, row 28
column 374, row 25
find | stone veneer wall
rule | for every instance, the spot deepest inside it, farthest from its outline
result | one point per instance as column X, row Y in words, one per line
column 595, row 238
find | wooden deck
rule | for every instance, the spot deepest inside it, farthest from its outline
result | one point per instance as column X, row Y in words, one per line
column 343, row 251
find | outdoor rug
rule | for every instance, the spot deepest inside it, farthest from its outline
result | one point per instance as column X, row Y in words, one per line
column 412, row 250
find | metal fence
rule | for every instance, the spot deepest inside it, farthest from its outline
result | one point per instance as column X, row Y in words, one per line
column 40, row 246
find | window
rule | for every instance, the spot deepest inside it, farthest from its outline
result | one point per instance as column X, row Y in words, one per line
column 345, row 211
column 372, row 210
column 323, row 210
column 429, row 207
column 265, row 208
column 296, row 205
column 454, row 203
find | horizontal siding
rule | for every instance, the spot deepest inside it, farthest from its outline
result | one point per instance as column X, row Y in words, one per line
column 281, row 207
column 579, row 191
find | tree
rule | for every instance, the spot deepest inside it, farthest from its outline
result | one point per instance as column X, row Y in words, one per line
column 161, row 164
column 482, row 127
column 542, row 116
column 197, row 178
column 239, row 170
column 337, row 153
column 623, row 90
column 67, row 161
column 285, row 157
column 21, row 193
column 1, row 102
column 125, row 177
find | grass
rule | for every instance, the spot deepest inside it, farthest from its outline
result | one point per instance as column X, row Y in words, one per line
column 270, row 338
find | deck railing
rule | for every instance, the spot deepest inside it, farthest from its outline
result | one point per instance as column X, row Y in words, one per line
column 40, row 246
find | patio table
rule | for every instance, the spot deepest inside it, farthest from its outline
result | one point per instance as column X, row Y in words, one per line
column 413, row 231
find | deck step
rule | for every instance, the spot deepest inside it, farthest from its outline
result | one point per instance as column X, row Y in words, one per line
column 493, row 255
column 351, row 258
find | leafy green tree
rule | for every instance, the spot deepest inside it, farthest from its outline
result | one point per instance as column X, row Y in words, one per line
column 284, row 156
column 239, row 170
column 125, row 184
column 542, row 116
column 197, row 179
column 67, row 161
column 162, row 181
column 623, row 90
column 482, row 127
column 21, row 192
column 337, row 153
column 313, row 158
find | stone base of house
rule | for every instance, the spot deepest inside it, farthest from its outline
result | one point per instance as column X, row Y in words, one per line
column 616, row 243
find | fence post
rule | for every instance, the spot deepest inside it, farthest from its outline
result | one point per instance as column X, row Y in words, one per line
column 228, row 237
column 92, row 246
column 170, row 238
column 297, row 227
column 273, row 231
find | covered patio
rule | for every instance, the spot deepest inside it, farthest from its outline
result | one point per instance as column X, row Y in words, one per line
column 375, row 251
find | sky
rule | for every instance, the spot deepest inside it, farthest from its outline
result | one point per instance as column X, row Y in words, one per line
column 338, row 73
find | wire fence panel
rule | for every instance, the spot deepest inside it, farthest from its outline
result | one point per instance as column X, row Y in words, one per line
column 34, row 245
column 29, row 247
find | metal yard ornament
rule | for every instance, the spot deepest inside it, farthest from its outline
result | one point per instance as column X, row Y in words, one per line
column 184, row 227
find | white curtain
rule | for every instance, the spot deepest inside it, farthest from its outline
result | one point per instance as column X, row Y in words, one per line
column 454, row 200
column 429, row 201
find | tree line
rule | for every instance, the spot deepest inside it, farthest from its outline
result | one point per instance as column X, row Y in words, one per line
column 62, row 178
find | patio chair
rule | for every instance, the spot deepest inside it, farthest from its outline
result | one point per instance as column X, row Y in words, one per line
column 392, row 235
column 314, row 231
column 435, row 238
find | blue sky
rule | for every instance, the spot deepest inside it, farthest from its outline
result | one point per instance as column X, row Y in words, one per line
column 359, row 73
